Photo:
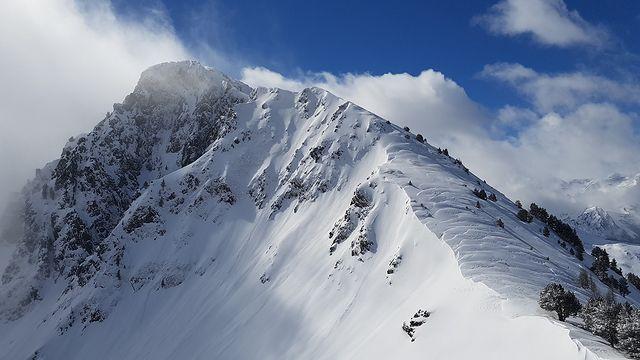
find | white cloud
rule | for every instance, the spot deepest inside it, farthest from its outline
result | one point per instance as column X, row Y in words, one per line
column 562, row 91
column 588, row 140
column 62, row 68
column 592, row 141
column 549, row 22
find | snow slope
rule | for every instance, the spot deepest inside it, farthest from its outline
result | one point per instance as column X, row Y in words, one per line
column 204, row 219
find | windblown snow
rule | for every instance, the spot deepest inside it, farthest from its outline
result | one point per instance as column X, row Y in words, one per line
column 204, row 219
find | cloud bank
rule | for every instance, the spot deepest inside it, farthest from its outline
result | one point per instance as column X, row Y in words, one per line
column 548, row 22
column 63, row 67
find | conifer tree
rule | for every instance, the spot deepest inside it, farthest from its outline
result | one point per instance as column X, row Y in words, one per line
column 629, row 332
column 601, row 317
column 555, row 298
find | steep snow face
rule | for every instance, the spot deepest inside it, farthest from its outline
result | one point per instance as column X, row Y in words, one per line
column 205, row 219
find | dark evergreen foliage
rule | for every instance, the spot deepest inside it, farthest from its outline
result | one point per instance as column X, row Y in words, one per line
column 600, row 264
column 566, row 233
column 623, row 286
column 539, row 213
column 524, row 216
column 555, row 298
column 615, row 268
column 628, row 329
column 634, row 280
column 480, row 193
column 601, row 317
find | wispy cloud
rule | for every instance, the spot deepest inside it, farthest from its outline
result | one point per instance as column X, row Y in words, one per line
column 64, row 66
column 548, row 22
column 562, row 91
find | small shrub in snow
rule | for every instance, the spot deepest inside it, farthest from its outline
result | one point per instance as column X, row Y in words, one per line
column 418, row 319
column 394, row 263
column 480, row 193
column 500, row 223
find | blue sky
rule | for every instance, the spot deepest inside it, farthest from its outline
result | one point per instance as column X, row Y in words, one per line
column 383, row 36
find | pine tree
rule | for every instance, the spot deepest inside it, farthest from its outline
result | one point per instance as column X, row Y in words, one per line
column 614, row 267
column 493, row 197
column 601, row 317
column 500, row 223
column 623, row 286
column 538, row 212
column 524, row 216
column 629, row 332
column 478, row 204
column 519, row 204
column 546, row 232
column 554, row 298
column 634, row 280
column 420, row 138
column 583, row 279
column 601, row 263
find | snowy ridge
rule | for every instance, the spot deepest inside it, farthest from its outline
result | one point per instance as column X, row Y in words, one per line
column 205, row 219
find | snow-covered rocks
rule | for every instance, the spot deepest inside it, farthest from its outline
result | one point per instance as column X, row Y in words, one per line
column 193, row 222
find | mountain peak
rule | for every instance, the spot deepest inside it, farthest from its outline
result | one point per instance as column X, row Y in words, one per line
column 186, row 79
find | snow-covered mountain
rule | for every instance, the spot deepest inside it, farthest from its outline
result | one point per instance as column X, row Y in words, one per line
column 204, row 219
column 617, row 214
column 615, row 225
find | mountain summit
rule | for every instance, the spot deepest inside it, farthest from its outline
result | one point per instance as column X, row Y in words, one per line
column 204, row 219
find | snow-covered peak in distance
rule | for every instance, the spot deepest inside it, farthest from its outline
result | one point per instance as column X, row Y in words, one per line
column 597, row 218
column 203, row 219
